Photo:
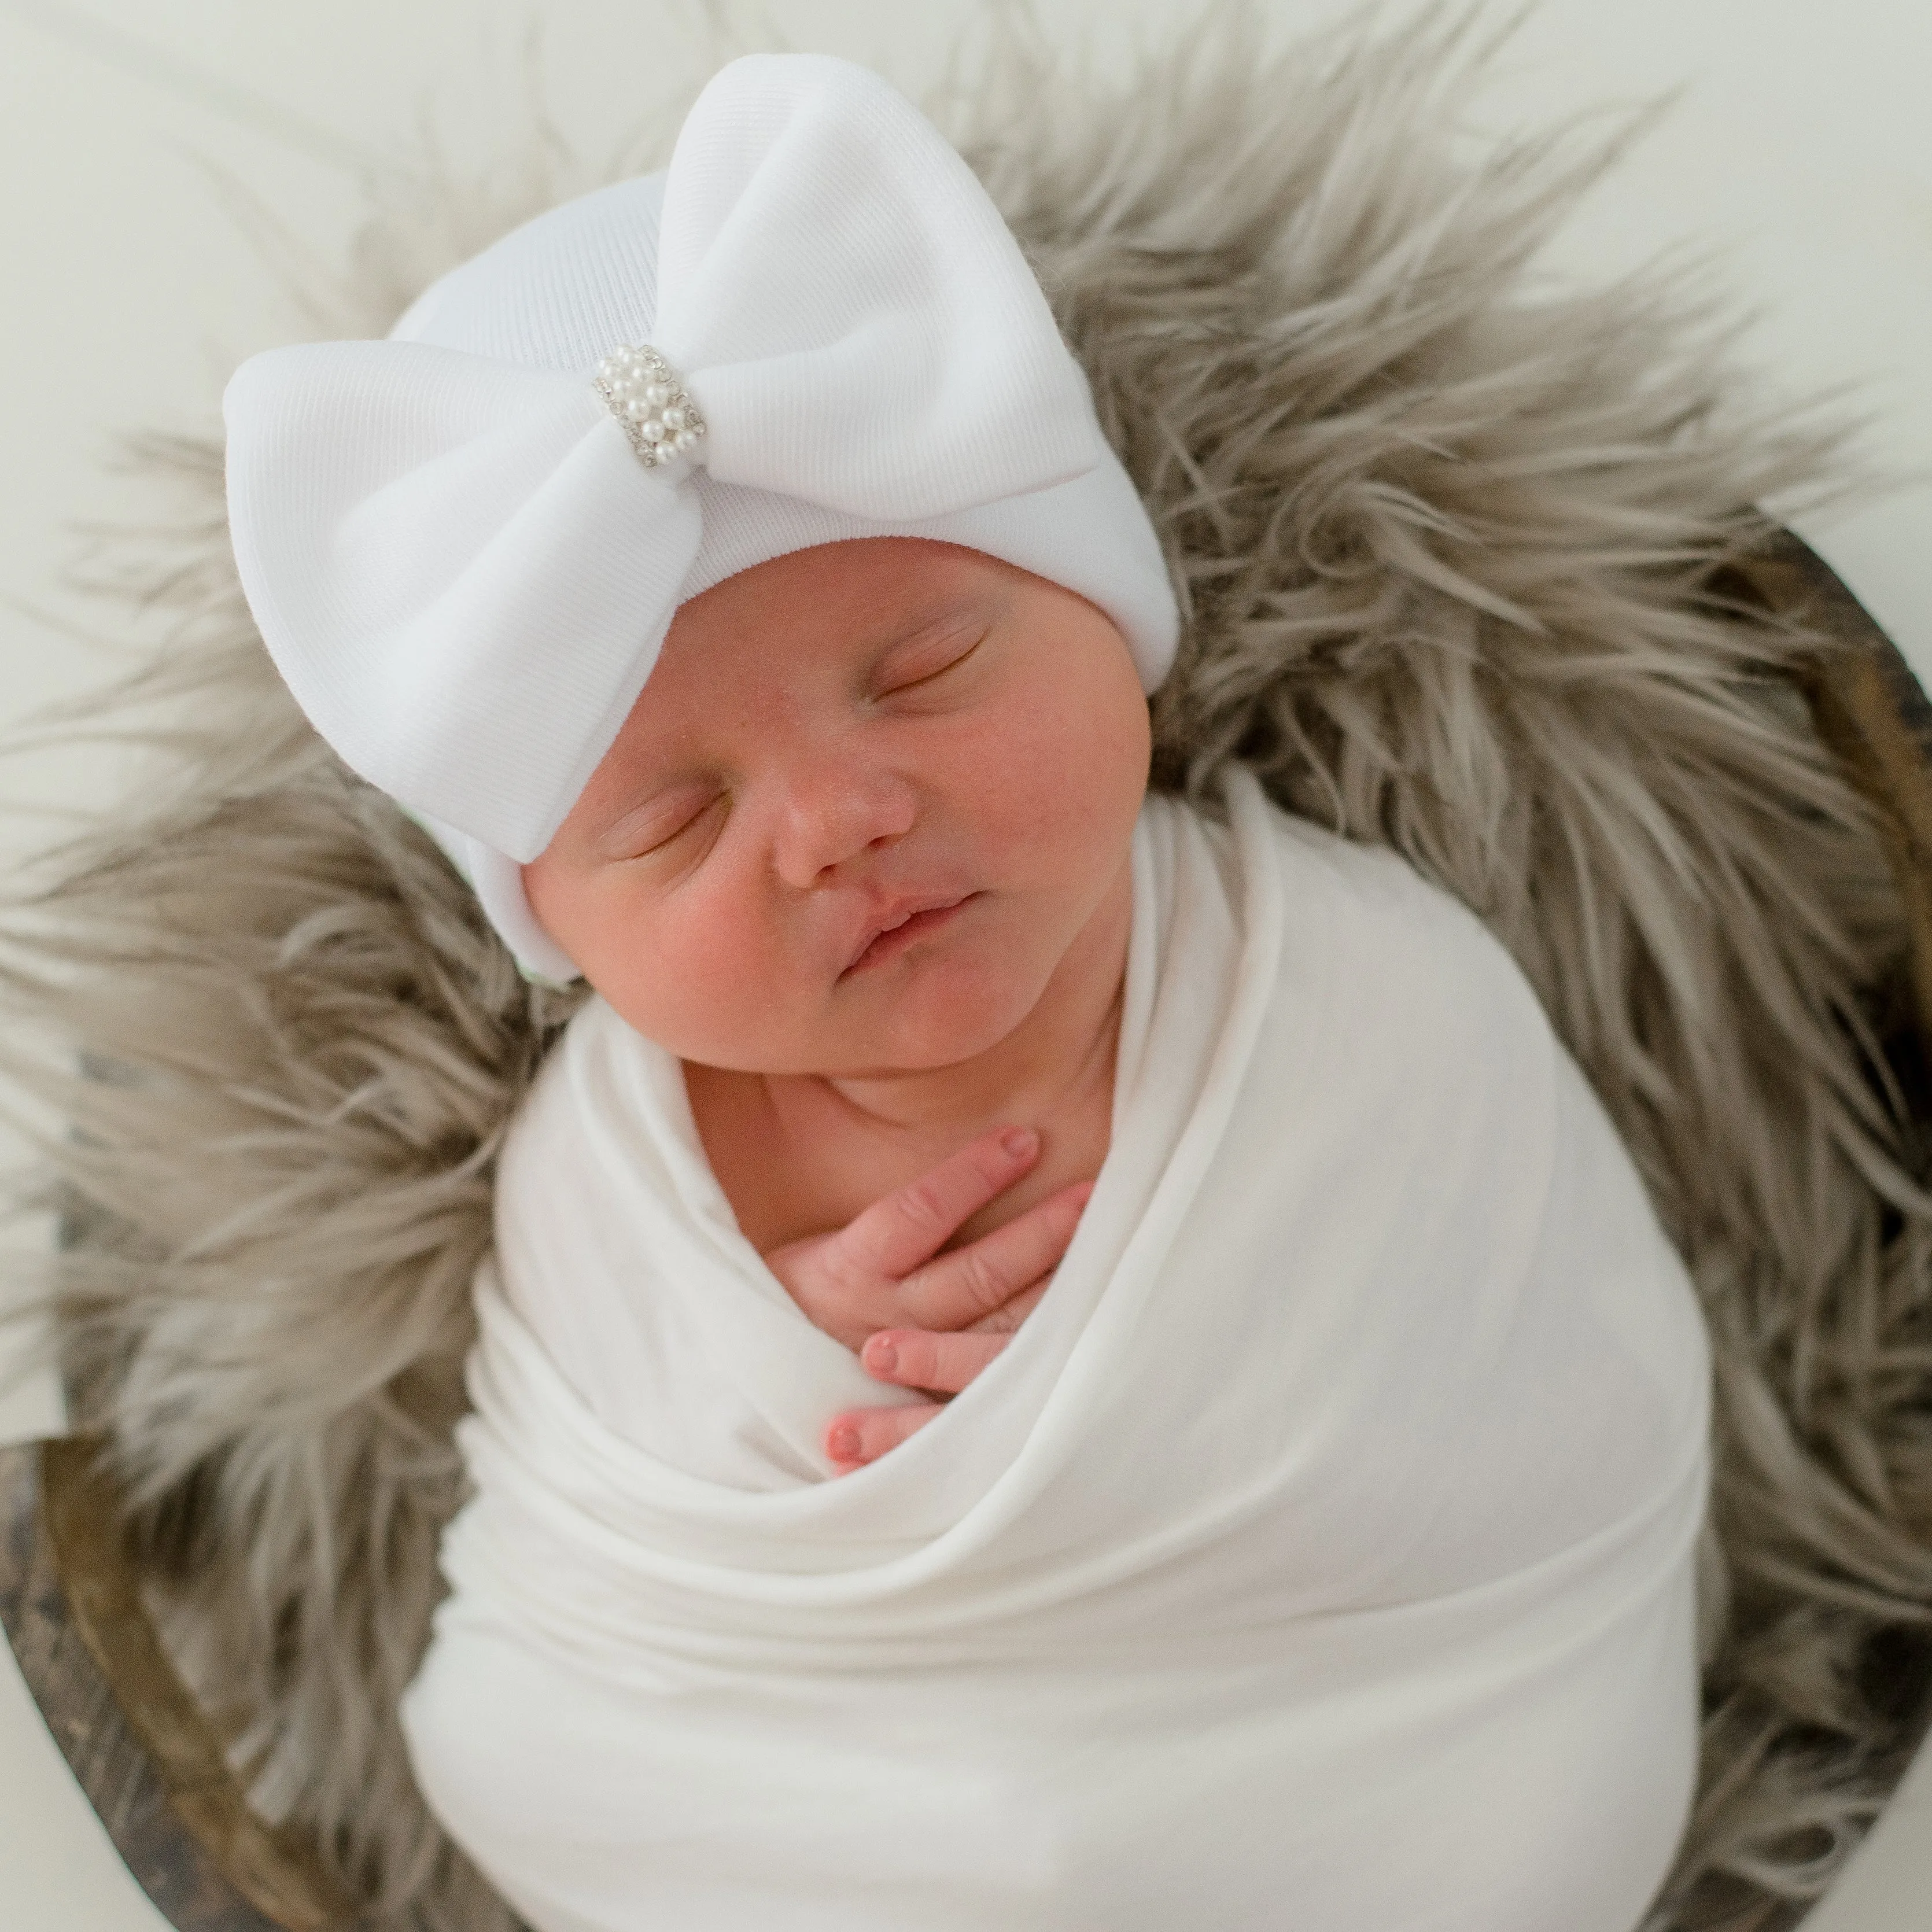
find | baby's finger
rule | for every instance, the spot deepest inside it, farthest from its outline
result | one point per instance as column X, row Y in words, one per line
column 1008, row 1316
column 957, row 1289
column 862, row 1435
column 918, row 1358
column 891, row 1237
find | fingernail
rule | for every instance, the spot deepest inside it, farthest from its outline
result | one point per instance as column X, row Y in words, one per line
column 842, row 1443
column 1019, row 1141
column 881, row 1357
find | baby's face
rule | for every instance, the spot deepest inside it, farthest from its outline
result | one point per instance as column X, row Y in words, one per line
column 888, row 733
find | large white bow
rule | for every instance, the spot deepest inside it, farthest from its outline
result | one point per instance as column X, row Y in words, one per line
column 461, row 569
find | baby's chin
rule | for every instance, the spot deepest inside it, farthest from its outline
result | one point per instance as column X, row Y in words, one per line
column 931, row 1020
column 927, row 1049
column 938, row 1013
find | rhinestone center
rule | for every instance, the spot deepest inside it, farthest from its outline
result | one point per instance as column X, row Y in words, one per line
column 643, row 391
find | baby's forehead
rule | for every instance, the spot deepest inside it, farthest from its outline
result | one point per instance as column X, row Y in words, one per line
column 865, row 575
column 783, row 638
column 865, row 594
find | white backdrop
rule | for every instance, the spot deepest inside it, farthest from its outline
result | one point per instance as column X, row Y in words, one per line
column 1800, row 151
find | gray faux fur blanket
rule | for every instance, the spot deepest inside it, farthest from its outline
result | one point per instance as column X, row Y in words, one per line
column 1450, row 545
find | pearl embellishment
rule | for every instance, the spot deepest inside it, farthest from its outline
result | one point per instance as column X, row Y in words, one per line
column 640, row 389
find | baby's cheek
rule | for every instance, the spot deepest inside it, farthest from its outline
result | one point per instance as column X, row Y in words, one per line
column 1060, row 777
column 698, row 977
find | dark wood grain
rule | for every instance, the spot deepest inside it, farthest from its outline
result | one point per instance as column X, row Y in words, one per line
column 1871, row 710
column 150, row 1764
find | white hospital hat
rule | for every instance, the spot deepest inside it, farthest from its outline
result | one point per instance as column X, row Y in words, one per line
column 464, row 545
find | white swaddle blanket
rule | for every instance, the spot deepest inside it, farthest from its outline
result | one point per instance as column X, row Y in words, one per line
column 1319, row 1554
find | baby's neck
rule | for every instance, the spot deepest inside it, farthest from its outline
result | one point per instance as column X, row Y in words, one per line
column 798, row 1154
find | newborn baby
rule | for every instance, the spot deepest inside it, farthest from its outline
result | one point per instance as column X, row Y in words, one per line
column 859, row 859
column 1269, row 1426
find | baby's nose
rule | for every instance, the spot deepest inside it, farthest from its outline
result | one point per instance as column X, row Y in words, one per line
column 833, row 809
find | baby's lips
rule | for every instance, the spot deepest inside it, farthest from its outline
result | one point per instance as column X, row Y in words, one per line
column 895, row 914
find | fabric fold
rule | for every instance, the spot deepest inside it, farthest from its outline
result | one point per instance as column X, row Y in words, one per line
column 911, row 368
column 400, row 588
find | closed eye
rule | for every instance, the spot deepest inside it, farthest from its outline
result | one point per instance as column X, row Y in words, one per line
column 920, row 663
column 659, row 823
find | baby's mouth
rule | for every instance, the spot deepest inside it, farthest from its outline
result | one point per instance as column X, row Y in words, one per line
column 892, row 934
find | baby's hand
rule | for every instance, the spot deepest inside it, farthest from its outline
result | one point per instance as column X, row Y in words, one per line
column 923, row 1319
